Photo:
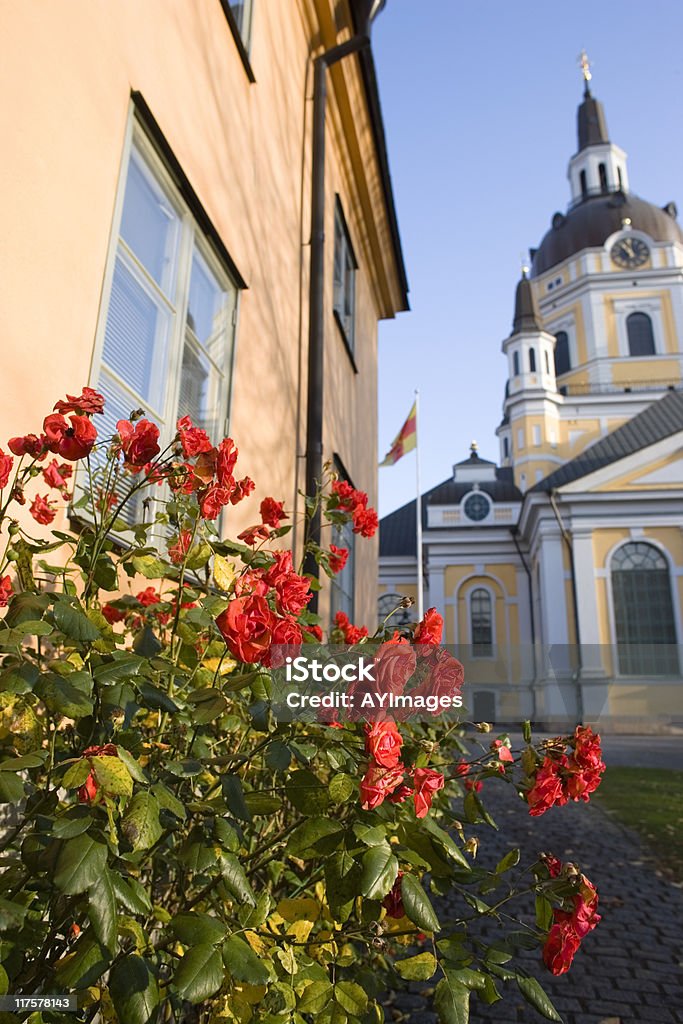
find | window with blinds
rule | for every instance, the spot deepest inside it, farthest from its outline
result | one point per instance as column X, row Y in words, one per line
column 345, row 267
column 343, row 585
column 168, row 332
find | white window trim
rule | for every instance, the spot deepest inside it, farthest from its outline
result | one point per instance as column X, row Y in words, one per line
column 136, row 136
column 468, row 600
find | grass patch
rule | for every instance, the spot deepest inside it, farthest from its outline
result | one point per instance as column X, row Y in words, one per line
column 650, row 801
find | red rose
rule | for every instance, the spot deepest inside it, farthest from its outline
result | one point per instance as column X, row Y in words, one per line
column 352, row 634
column 378, row 783
column 148, row 596
column 400, row 795
column 560, row 947
column 393, row 902
column 6, row 591
column 365, row 522
column 430, row 630
column 427, row 783
column 193, row 439
column 88, row 791
column 338, row 558
column 56, row 475
column 213, row 500
column 242, row 489
column 89, row 401
column 247, row 627
column 293, row 594
column 180, row 547
column 502, row 752
column 140, row 443
column 287, row 638
column 42, row 511
column 29, row 444
column 254, row 534
column 272, row 512
column 6, row 463
column 383, row 743
column 225, row 463
column 477, row 786
column 316, row 632
column 112, row 614
column 71, row 442
column 443, row 679
column 394, row 665
column 547, row 789
column 251, row 582
column 280, row 570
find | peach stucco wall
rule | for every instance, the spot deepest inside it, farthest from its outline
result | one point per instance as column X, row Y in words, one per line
column 67, row 74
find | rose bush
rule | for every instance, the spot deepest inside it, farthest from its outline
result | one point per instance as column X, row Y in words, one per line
column 170, row 850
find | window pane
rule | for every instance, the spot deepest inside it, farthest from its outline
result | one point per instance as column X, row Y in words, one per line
column 198, row 398
column 643, row 611
column 481, row 622
column 562, row 363
column 149, row 225
column 343, row 584
column 136, row 338
column 241, row 10
column 641, row 341
column 207, row 308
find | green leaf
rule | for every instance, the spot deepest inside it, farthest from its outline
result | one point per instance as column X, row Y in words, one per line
column 4, row 981
column 11, row 915
column 490, row 994
column 234, row 796
column 243, row 963
column 87, row 965
column 194, row 927
column 262, row 803
column 18, row 764
column 306, row 792
column 510, row 860
column 341, row 788
column 140, row 824
column 417, row 904
column 102, row 911
column 278, row 756
column 235, row 879
column 167, row 800
column 123, row 665
column 536, row 997
column 156, row 699
column 310, row 837
column 73, row 622
column 76, row 774
column 380, row 868
column 417, row 968
column 351, row 997
column 151, row 567
column 80, row 863
column 544, row 913
column 112, row 775
column 132, row 765
column 11, row 788
column 452, row 1002
column 72, row 825
column 474, row 980
column 131, row 893
column 134, row 991
column 66, row 695
column 315, row 997
column 199, row 974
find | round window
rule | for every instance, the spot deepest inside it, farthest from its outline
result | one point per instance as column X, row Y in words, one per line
column 477, row 507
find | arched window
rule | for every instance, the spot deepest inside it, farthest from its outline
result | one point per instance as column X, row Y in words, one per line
column 515, row 363
column 643, row 611
column 602, row 171
column 641, row 339
column 506, row 448
column 583, row 183
column 481, row 623
column 532, row 360
column 562, row 361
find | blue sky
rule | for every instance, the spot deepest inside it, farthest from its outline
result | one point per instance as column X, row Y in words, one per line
column 479, row 102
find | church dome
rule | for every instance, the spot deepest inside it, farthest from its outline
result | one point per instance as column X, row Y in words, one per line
column 590, row 223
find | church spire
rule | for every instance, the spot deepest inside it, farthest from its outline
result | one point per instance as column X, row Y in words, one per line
column 527, row 316
column 591, row 122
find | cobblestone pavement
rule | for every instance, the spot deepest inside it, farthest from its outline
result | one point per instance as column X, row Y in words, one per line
column 629, row 969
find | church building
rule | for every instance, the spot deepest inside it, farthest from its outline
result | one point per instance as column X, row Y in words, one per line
column 559, row 572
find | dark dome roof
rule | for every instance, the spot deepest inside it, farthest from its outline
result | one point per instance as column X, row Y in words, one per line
column 592, row 221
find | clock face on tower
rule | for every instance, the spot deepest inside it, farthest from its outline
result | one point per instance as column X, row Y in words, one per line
column 630, row 252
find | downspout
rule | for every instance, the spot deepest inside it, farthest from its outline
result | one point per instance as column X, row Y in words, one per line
column 568, row 541
column 316, row 317
column 514, row 530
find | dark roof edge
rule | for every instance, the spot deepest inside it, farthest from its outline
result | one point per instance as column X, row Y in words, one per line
column 369, row 75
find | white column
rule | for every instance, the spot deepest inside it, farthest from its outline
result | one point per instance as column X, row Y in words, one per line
column 436, row 596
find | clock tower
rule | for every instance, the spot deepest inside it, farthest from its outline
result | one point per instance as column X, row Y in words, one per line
column 603, row 311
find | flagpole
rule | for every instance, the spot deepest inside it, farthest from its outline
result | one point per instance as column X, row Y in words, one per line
column 418, row 510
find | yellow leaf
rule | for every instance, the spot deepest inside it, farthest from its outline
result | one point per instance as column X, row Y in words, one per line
column 300, row 930
column 224, row 573
column 224, row 667
column 305, row 909
column 252, row 993
column 259, row 945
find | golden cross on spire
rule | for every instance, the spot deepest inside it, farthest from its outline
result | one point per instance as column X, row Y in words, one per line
column 585, row 66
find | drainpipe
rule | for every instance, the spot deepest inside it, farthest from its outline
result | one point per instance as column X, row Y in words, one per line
column 579, row 657
column 316, row 307
column 514, row 530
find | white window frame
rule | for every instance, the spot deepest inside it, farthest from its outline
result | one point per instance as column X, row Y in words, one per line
column 653, row 308
column 244, row 29
column 191, row 236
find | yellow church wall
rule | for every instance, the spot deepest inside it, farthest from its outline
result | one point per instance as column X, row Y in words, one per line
column 453, row 575
column 630, row 480
column 507, row 574
column 603, row 542
column 668, row 321
column 671, row 539
column 646, row 369
column 574, row 309
column 646, row 702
